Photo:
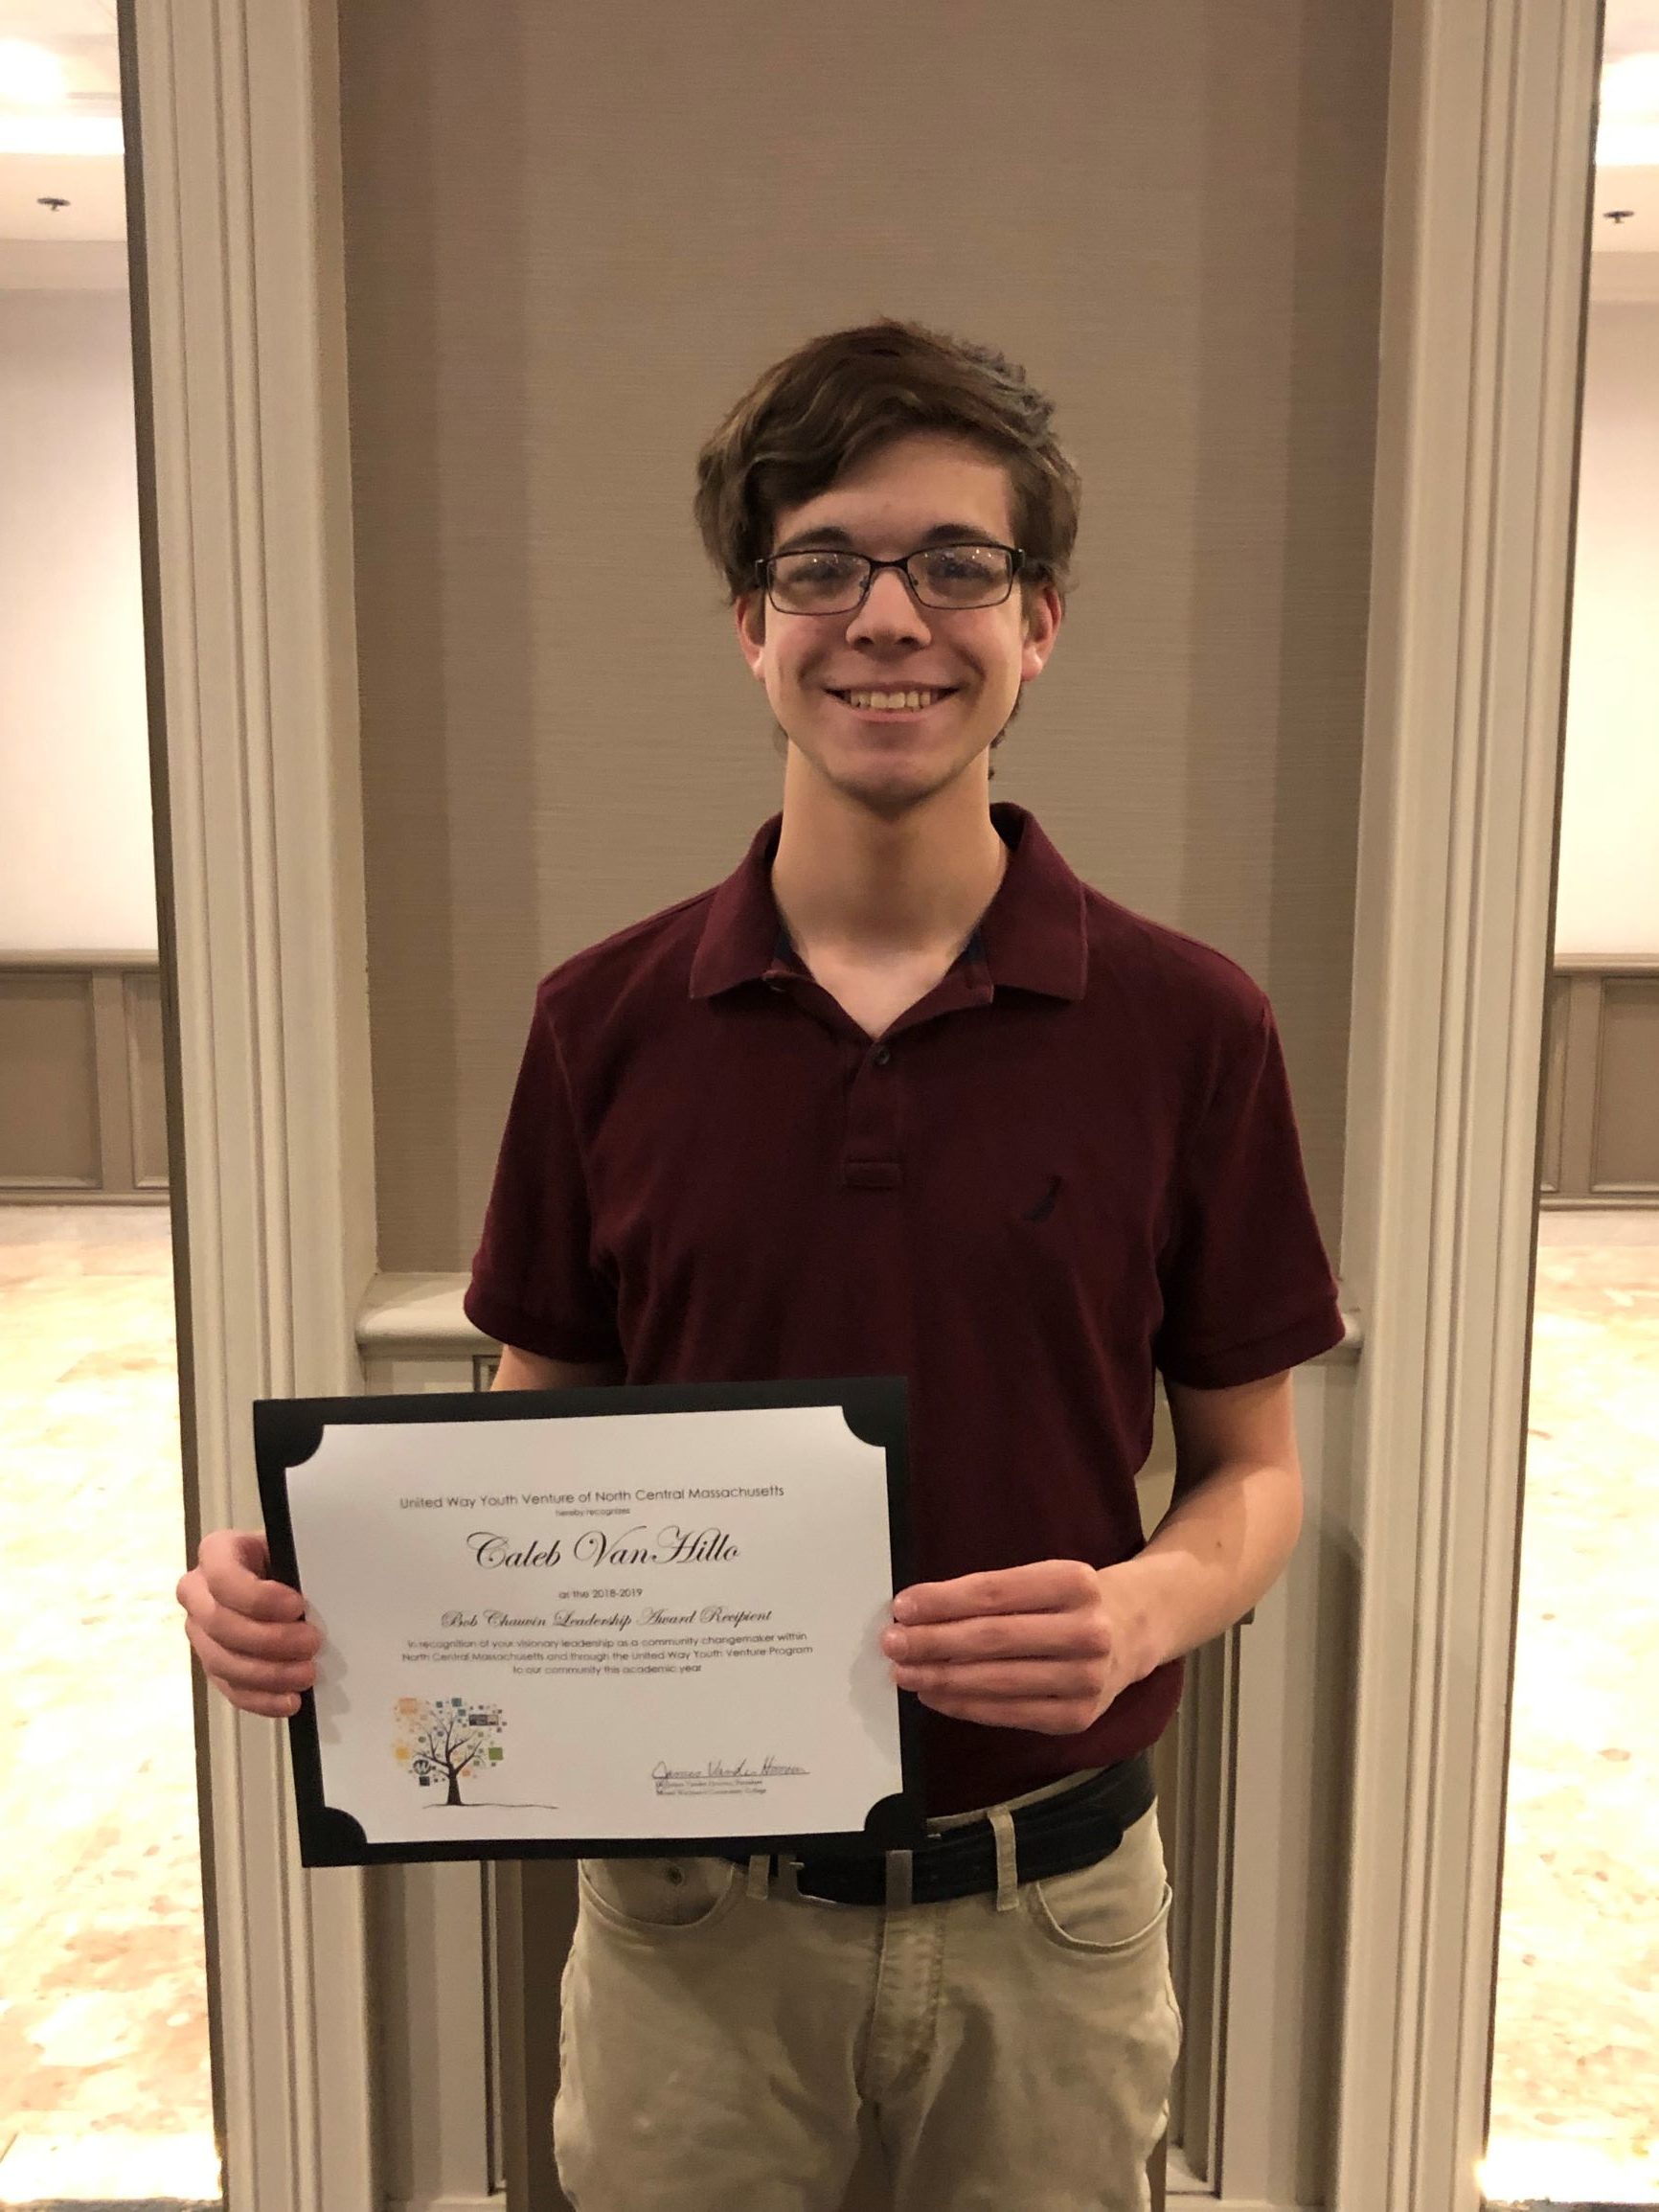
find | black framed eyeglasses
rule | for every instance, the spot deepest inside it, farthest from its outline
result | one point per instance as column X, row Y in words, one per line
column 826, row 580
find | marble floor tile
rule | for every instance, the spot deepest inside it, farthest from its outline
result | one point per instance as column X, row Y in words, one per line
column 104, row 2082
column 1575, row 2109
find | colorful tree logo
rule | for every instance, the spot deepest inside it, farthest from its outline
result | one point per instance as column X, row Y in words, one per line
column 440, row 1738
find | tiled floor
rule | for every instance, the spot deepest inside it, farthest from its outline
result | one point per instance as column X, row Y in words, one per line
column 104, row 2088
column 1576, row 2079
column 104, row 2077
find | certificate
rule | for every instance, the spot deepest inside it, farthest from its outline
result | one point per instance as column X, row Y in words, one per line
column 595, row 1621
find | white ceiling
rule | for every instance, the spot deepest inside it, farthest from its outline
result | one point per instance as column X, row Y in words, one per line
column 82, row 35
column 1632, row 194
column 1625, row 253
column 44, row 20
column 1631, row 27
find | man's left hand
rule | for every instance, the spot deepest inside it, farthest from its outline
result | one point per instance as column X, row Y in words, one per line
column 1046, row 1646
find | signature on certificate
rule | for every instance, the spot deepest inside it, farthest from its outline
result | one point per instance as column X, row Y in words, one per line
column 718, row 1777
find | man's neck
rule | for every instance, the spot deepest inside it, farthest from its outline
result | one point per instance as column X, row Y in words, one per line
column 856, row 884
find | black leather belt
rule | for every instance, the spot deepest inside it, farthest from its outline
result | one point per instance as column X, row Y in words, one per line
column 1056, row 1835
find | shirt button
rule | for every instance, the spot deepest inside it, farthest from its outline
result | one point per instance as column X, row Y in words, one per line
column 883, row 1055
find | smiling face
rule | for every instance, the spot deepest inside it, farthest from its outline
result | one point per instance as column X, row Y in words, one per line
column 832, row 680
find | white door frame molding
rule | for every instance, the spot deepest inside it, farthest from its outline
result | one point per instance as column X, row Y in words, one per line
column 239, row 283
column 1484, row 277
column 238, row 329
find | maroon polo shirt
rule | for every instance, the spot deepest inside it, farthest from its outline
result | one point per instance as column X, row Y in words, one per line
column 1073, row 1163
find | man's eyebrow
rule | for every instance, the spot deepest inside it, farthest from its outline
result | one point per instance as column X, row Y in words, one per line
column 830, row 533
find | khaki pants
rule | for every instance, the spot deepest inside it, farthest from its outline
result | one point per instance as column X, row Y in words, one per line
column 720, row 2038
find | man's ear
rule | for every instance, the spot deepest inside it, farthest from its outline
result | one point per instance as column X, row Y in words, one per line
column 1044, row 610
column 750, row 613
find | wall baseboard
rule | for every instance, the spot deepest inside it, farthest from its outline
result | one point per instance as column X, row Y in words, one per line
column 445, row 2203
column 52, row 1194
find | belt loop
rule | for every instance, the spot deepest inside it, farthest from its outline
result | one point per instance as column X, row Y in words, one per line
column 759, row 1873
column 1007, row 1865
column 898, row 1879
column 789, row 1876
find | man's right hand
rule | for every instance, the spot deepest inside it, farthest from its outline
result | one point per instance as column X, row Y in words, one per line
column 250, row 1633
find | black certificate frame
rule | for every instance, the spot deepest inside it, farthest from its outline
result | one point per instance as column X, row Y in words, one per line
column 288, row 1430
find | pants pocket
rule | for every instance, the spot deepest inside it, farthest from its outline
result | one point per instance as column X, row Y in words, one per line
column 659, row 1895
column 1113, row 1908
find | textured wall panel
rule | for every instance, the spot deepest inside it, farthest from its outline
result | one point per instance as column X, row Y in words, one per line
column 574, row 235
column 48, row 1081
column 147, row 1080
column 1626, row 1155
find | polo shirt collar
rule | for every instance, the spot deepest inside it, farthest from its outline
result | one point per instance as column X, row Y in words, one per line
column 1032, row 937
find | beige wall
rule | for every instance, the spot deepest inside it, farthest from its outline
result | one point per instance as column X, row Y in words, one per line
column 77, row 867
column 1607, row 897
column 575, row 235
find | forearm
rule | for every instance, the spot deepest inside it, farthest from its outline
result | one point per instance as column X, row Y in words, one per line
column 1214, row 1553
column 517, row 1370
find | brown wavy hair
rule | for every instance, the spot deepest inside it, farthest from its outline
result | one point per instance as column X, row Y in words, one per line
column 822, row 409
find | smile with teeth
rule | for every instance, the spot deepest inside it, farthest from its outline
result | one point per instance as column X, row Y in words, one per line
column 908, row 702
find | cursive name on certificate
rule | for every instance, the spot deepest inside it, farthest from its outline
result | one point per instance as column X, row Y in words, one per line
column 670, row 1546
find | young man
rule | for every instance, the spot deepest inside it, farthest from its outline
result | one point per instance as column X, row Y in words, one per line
column 904, row 1096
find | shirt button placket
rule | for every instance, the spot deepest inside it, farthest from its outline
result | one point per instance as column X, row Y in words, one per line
column 871, row 1160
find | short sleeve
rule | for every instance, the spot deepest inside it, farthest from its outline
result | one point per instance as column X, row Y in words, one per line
column 534, row 1284
column 1247, row 1287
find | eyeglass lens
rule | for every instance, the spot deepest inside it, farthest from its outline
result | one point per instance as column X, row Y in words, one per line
column 827, row 582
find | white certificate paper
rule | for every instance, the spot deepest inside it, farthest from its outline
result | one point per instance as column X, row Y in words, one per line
column 633, row 1626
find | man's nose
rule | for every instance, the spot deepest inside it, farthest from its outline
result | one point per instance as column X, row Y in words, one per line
column 890, row 610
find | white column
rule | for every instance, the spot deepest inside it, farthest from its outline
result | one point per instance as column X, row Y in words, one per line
column 1484, row 279
column 233, row 133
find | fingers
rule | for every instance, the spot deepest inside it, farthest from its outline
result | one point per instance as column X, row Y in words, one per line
column 238, row 1633
column 1017, row 1678
column 247, row 1631
column 256, row 1685
column 1072, row 1635
column 229, row 1652
column 270, row 1706
column 235, row 1565
column 1046, row 1586
column 1030, row 1647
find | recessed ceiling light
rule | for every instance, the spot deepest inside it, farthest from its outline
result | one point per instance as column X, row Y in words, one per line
column 1628, row 146
column 1627, row 136
column 30, row 75
column 1630, row 86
